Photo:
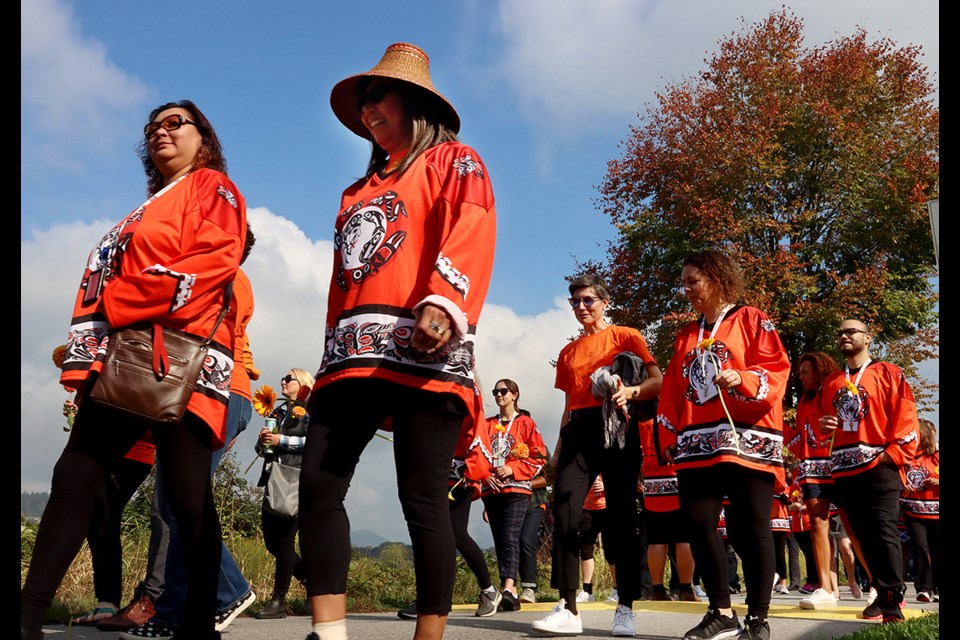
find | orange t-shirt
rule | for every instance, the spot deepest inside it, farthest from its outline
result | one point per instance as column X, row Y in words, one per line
column 242, row 357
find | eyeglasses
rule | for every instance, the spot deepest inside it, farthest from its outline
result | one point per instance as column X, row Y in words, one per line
column 376, row 93
column 850, row 332
column 587, row 301
column 501, row 391
column 287, row 379
column 170, row 123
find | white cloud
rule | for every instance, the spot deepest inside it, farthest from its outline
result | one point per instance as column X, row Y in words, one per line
column 71, row 93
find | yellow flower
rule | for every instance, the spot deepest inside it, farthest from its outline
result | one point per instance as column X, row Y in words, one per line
column 706, row 343
column 521, row 451
column 58, row 355
column 500, row 428
column 299, row 412
column 852, row 388
column 263, row 399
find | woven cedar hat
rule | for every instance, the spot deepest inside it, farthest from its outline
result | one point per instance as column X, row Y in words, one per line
column 401, row 61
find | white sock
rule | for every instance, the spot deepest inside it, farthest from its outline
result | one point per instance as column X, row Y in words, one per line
column 336, row 630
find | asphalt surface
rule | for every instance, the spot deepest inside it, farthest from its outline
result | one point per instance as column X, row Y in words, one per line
column 655, row 620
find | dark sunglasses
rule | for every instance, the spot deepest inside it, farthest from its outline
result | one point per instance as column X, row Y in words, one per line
column 501, row 391
column 376, row 94
column 587, row 301
column 849, row 332
column 170, row 123
column 287, row 379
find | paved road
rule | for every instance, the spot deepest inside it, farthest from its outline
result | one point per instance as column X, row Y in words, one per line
column 655, row 621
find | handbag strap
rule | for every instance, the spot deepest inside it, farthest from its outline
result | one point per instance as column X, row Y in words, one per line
column 161, row 361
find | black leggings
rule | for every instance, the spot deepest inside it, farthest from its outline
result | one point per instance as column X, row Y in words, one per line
column 103, row 536
column 344, row 417
column 750, row 495
column 583, row 457
column 925, row 542
column 280, row 536
column 99, row 440
column 466, row 545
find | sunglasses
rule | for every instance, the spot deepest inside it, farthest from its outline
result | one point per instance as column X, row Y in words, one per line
column 375, row 94
column 170, row 123
column 287, row 379
column 501, row 391
column 587, row 301
column 850, row 332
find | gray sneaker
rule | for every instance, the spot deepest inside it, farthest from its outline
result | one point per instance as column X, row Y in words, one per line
column 529, row 596
column 488, row 603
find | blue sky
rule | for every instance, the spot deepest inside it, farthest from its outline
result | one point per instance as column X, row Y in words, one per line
column 545, row 92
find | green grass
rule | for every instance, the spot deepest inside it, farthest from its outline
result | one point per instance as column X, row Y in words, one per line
column 925, row 627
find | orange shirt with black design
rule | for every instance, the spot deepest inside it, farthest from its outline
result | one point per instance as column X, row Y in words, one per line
column 691, row 415
column 920, row 499
column 426, row 237
column 517, row 444
column 167, row 262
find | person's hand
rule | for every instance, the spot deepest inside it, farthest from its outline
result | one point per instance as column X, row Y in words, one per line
column 494, row 483
column 432, row 329
column 269, row 439
column 503, row 473
column 931, row 482
column 828, row 424
column 670, row 454
column 598, row 485
column 728, row 379
column 622, row 394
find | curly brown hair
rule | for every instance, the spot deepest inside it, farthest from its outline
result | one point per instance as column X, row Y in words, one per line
column 210, row 155
column 721, row 271
column 823, row 366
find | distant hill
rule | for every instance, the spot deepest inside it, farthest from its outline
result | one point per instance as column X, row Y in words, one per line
column 32, row 504
column 366, row 538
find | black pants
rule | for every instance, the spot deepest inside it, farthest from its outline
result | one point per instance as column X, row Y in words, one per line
column 529, row 544
column 750, row 495
column 582, row 458
column 805, row 543
column 925, row 542
column 280, row 536
column 466, row 545
column 103, row 536
column 344, row 417
column 505, row 511
column 872, row 502
column 99, row 439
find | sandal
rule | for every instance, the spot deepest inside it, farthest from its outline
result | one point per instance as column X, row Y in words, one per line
column 102, row 612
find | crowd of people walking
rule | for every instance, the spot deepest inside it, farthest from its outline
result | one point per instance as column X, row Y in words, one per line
column 699, row 441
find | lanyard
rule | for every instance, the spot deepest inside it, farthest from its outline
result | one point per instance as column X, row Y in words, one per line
column 713, row 332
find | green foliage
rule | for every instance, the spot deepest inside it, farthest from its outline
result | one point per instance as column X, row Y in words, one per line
column 926, row 627
column 811, row 166
column 33, row 503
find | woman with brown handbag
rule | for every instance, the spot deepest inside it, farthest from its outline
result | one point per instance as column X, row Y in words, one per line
column 168, row 264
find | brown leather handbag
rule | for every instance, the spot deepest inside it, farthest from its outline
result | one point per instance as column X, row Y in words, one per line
column 150, row 371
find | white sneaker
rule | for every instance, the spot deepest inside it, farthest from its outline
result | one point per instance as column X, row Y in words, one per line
column 819, row 599
column 697, row 589
column 583, row 596
column 871, row 596
column 559, row 622
column 614, row 596
column 623, row 623
column 528, row 596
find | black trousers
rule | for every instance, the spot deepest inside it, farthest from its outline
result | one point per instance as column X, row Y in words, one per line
column 99, row 440
column 750, row 495
column 280, row 536
column 872, row 502
column 529, row 543
column 344, row 417
column 925, row 542
column 466, row 545
column 583, row 457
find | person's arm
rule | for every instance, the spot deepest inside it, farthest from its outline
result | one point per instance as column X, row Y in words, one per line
column 763, row 381
column 903, row 424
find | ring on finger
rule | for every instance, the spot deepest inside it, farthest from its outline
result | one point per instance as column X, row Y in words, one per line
column 437, row 329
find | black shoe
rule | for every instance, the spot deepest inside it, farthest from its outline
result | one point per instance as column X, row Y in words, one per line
column 660, row 594
column 409, row 612
column 275, row 609
column 755, row 628
column 714, row 626
column 872, row 612
column 508, row 602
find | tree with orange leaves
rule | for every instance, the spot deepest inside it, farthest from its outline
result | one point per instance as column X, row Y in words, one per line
column 811, row 166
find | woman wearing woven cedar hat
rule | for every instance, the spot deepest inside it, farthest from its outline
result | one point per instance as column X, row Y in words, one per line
column 414, row 245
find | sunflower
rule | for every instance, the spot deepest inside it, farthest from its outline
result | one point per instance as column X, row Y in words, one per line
column 58, row 355
column 264, row 399
column 706, row 343
column 852, row 388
